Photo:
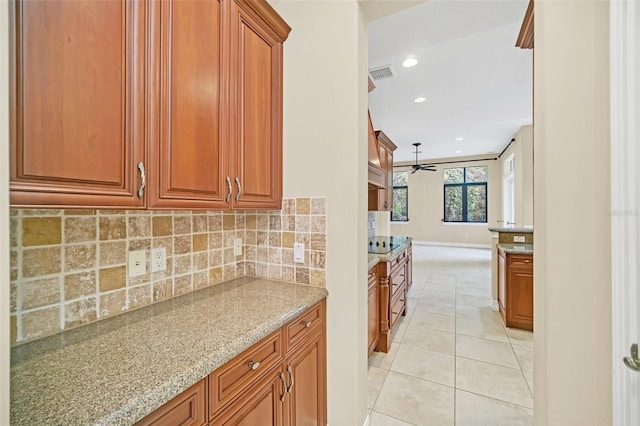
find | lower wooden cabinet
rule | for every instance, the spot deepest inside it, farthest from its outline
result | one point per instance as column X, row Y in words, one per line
column 515, row 289
column 373, row 309
column 279, row 381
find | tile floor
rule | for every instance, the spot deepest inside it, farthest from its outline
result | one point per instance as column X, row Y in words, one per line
column 452, row 361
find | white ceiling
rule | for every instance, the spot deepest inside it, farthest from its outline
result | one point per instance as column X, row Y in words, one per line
column 478, row 85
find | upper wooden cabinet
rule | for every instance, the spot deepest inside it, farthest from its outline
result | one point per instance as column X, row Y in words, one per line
column 382, row 199
column 182, row 99
column 77, row 102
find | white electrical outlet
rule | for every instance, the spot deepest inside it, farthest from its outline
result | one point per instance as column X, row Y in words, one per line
column 298, row 253
column 518, row 238
column 158, row 259
column 137, row 263
column 237, row 247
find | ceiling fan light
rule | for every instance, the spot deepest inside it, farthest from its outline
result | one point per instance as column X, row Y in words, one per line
column 410, row 62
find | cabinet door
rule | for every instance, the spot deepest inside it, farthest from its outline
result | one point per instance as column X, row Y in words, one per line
column 186, row 409
column 409, row 268
column 383, row 202
column 77, row 130
column 373, row 309
column 306, row 372
column 260, row 405
column 502, row 285
column 188, row 157
column 520, row 297
column 256, row 110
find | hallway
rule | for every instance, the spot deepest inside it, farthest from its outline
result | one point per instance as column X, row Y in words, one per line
column 452, row 361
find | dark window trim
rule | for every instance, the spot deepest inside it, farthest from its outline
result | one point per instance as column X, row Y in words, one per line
column 465, row 185
column 392, row 198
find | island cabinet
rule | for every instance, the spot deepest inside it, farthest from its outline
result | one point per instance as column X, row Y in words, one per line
column 280, row 380
column 373, row 309
column 515, row 289
column 173, row 104
column 393, row 296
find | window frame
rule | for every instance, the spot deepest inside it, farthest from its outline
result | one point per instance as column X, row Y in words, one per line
column 465, row 186
column 393, row 190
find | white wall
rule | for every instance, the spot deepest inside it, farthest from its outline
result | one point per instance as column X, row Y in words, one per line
column 572, row 275
column 522, row 148
column 4, row 214
column 325, row 142
column 426, row 208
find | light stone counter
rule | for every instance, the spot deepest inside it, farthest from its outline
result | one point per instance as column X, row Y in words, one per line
column 516, row 248
column 118, row 370
column 373, row 260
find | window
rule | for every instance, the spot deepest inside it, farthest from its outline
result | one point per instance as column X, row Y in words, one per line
column 465, row 194
column 400, row 208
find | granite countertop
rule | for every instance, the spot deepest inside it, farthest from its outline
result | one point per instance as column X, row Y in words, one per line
column 511, row 229
column 118, row 370
column 516, row 248
column 373, row 260
column 388, row 257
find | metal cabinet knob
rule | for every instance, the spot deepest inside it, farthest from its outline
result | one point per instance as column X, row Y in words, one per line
column 307, row 324
column 254, row 365
column 633, row 362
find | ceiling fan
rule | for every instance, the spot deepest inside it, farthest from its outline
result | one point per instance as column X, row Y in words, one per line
column 416, row 167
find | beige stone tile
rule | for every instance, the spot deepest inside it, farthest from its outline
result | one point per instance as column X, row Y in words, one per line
column 302, row 275
column 161, row 226
column 200, row 242
column 524, row 354
column 488, row 328
column 112, row 253
column 13, row 258
column 317, row 259
column 139, row 296
column 375, row 378
column 250, row 221
column 262, row 238
column 275, row 272
column 318, row 206
column 41, row 212
column 13, row 329
column 13, row 232
column 416, row 401
column 288, row 206
column 303, row 238
column 200, row 224
column 79, row 256
column 41, row 261
column 181, row 225
column 139, row 226
column 289, row 273
column 229, row 272
column 495, row 381
column 13, row 297
column 40, row 231
column 182, row 264
column 228, row 222
column 382, row 359
column 162, row 290
column 112, row 228
column 38, row 293
column 318, row 224
column 182, row 244
column 112, row 278
column 288, row 223
column 229, row 257
column 79, row 212
column 215, row 258
column 142, row 244
column 250, row 268
column 166, row 242
column 275, row 256
column 426, row 305
column 215, row 275
column 250, row 238
column 303, row 223
column 275, row 222
column 303, row 206
column 428, row 320
column 105, row 212
column 318, row 241
column 287, row 257
column 40, row 323
column 80, row 312
column 262, row 221
column 80, row 229
column 275, row 239
column 215, row 240
column 379, row 419
column 250, row 253
column 200, row 261
column 478, row 410
column 425, row 364
column 435, row 340
column 520, row 337
column 486, row 350
column 317, row 277
column 262, row 270
column 240, row 219
column 113, row 303
column 79, row 284
column 228, row 237
column 200, row 279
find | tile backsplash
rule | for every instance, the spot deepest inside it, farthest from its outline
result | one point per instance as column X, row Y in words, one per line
column 69, row 267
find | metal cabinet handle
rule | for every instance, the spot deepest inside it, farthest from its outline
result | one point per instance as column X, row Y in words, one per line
column 143, row 180
column 394, row 313
column 230, row 189
column 284, row 387
column 239, row 189
column 254, row 365
column 633, row 362
column 290, row 371
column 307, row 324
column 527, row 261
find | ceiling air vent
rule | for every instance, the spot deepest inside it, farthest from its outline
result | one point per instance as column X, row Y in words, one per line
column 381, row 72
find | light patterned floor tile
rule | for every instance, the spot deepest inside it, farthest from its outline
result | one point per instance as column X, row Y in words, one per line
column 520, row 337
column 421, row 320
column 379, row 419
column 435, row 340
column 477, row 410
column 376, row 378
column 384, row 360
column 486, row 350
column 425, row 364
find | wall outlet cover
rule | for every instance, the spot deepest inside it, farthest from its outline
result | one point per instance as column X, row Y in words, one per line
column 298, row 253
column 158, row 259
column 137, row 264
column 518, row 238
column 237, row 247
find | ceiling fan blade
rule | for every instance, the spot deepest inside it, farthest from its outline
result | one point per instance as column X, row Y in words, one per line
column 414, row 170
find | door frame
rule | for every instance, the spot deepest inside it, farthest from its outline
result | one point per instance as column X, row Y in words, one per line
column 625, row 203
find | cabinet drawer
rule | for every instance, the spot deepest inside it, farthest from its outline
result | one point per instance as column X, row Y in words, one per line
column 399, row 261
column 186, row 409
column 242, row 371
column 397, row 307
column 372, row 277
column 520, row 260
column 298, row 329
column 397, row 281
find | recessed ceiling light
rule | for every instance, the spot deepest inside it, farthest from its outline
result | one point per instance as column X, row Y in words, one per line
column 460, row 139
column 419, row 99
column 458, row 152
column 410, row 62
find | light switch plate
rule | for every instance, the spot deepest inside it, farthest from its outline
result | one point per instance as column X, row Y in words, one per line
column 298, row 253
column 237, row 247
column 137, row 263
column 518, row 238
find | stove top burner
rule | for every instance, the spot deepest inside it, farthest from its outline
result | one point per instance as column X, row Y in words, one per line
column 383, row 245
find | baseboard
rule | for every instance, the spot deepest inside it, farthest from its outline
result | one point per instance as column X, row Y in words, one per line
column 437, row 243
column 494, row 305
